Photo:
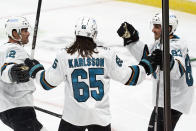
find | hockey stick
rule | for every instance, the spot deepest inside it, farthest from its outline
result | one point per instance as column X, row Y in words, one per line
column 157, row 99
column 48, row 112
column 36, row 28
column 33, row 51
column 193, row 59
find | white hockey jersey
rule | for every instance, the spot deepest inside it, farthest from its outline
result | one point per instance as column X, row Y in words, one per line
column 87, row 83
column 181, row 80
column 13, row 95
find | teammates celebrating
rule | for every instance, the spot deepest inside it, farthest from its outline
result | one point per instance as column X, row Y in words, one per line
column 86, row 70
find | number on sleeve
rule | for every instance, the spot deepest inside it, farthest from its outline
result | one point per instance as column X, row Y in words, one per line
column 55, row 64
column 12, row 54
column 176, row 52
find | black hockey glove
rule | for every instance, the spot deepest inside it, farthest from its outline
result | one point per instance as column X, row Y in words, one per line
column 19, row 73
column 128, row 33
column 148, row 64
column 158, row 60
column 34, row 66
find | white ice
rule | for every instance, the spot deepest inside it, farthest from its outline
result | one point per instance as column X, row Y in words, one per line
column 130, row 106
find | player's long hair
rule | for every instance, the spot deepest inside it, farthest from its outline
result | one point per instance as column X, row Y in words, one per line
column 84, row 45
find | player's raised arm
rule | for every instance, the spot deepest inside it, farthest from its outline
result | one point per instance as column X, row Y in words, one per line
column 131, row 41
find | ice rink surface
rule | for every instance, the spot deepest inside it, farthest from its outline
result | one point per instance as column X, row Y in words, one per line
column 130, row 106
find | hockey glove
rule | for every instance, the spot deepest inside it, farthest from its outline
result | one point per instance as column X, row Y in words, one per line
column 19, row 73
column 158, row 60
column 128, row 33
column 148, row 64
column 34, row 67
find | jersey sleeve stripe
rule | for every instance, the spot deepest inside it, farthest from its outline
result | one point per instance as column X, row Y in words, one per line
column 148, row 63
column 44, row 83
column 134, row 76
column 181, row 68
column 145, row 52
column 34, row 68
column 5, row 65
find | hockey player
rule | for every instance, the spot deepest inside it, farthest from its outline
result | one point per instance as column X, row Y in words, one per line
column 86, row 70
column 180, row 68
column 16, row 92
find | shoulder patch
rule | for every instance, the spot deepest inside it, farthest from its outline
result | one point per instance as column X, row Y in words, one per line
column 11, row 54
